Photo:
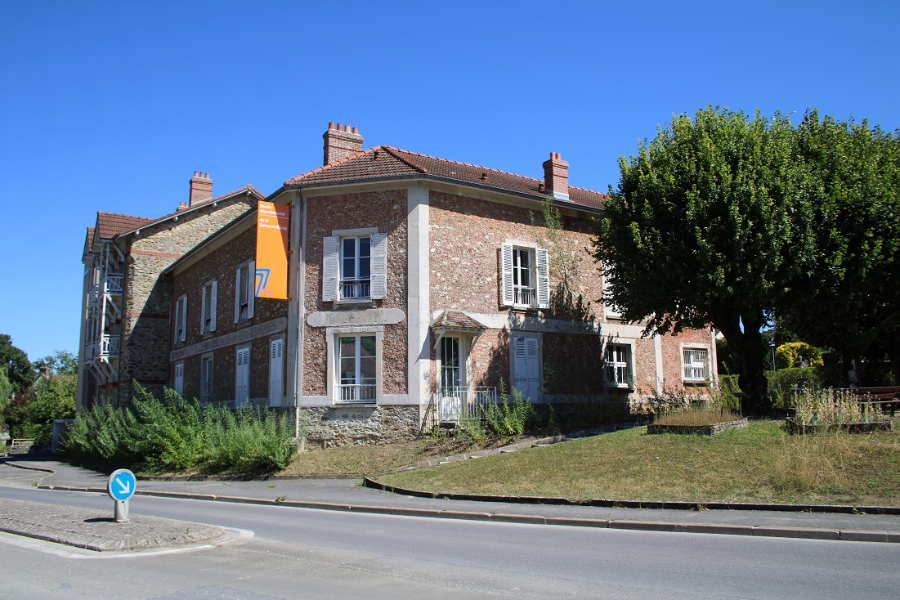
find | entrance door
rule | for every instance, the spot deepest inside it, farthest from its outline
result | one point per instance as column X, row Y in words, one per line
column 276, row 350
column 242, row 377
column 526, row 367
column 451, row 379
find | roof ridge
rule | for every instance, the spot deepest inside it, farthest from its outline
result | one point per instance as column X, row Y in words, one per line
column 330, row 165
column 458, row 162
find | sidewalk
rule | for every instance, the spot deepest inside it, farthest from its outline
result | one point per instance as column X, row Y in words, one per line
column 348, row 495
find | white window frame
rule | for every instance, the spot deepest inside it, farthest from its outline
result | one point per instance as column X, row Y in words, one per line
column 244, row 282
column 538, row 272
column 690, row 377
column 178, row 382
column 208, row 307
column 181, row 319
column 333, row 265
column 207, row 376
column 628, row 364
column 332, row 336
column 241, row 384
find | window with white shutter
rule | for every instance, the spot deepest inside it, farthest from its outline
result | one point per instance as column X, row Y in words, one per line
column 181, row 319
column 206, row 378
column 354, row 267
column 524, row 276
column 179, row 377
column 208, row 308
column 244, row 291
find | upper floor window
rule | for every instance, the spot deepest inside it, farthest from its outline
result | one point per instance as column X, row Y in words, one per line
column 525, row 276
column 208, row 309
column 694, row 363
column 244, row 292
column 354, row 266
column 181, row 319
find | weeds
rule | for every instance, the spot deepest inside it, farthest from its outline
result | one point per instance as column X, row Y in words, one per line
column 509, row 419
column 827, row 407
column 177, row 434
column 696, row 414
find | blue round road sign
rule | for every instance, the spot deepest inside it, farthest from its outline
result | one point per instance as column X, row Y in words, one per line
column 121, row 485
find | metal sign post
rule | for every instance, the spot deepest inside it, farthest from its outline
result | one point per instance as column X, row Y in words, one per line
column 121, row 487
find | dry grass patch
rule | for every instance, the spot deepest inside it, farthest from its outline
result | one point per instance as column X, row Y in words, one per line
column 697, row 415
column 761, row 463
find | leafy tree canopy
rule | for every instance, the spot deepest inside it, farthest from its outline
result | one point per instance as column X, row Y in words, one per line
column 18, row 367
column 709, row 224
column 61, row 362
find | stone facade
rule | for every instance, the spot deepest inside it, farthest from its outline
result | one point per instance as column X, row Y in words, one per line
column 356, row 425
column 148, row 297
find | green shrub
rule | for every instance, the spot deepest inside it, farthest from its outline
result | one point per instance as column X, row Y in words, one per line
column 782, row 380
column 176, row 434
column 787, row 354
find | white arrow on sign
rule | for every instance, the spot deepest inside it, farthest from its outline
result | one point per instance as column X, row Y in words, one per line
column 125, row 486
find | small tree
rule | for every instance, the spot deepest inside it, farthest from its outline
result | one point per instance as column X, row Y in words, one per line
column 709, row 225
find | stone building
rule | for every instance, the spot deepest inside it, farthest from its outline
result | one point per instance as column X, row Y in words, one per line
column 126, row 305
column 418, row 287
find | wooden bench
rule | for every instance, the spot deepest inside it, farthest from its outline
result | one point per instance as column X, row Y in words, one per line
column 888, row 397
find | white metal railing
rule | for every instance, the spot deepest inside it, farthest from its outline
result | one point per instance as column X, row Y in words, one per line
column 523, row 295
column 354, row 288
column 110, row 345
column 454, row 404
column 355, row 392
column 114, row 283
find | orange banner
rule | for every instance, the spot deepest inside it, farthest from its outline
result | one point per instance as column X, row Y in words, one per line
column 272, row 227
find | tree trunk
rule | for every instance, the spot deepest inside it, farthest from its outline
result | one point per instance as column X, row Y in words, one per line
column 749, row 352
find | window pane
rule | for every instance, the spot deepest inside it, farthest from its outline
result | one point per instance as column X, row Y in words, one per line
column 364, row 244
column 348, row 267
column 347, row 347
column 367, row 346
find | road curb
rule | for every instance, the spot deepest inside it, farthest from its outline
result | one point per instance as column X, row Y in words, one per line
column 647, row 504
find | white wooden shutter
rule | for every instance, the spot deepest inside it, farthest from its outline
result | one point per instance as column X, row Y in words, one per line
column 330, row 268
column 276, row 353
column 242, row 377
column 179, row 378
column 251, row 281
column 184, row 319
column 203, row 311
column 212, row 305
column 506, row 274
column 237, row 295
column 378, row 265
column 543, row 277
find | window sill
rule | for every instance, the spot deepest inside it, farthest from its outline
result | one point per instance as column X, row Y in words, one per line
column 354, row 302
column 695, row 381
column 355, row 404
column 620, row 386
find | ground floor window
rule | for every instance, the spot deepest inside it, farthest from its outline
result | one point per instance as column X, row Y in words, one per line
column 356, row 368
column 694, row 362
column 618, row 365
column 206, row 378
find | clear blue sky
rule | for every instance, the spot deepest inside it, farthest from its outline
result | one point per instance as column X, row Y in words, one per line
column 111, row 106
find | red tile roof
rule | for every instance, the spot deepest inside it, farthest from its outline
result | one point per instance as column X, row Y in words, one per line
column 387, row 161
column 112, row 224
column 457, row 320
column 89, row 240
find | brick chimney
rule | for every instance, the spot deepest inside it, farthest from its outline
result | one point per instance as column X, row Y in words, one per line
column 341, row 142
column 556, row 177
column 201, row 188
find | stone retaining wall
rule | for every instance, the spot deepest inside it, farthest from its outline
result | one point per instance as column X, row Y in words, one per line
column 357, row 425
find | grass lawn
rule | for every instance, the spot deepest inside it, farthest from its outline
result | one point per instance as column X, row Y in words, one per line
column 759, row 463
column 366, row 460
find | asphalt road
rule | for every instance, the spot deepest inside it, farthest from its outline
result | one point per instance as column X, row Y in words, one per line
column 301, row 553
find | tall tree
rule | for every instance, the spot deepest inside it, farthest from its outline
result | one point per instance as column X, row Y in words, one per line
column 18, row 367
column 61, row 362
column 850, row 299
column 709, row 225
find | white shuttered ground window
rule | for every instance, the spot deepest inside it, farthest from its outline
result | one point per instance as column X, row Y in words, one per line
column 242, row 377
column 276, row 363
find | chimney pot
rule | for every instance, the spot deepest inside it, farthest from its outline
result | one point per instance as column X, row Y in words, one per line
column 201, row 188
column 331, row 125
column 341, row 143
